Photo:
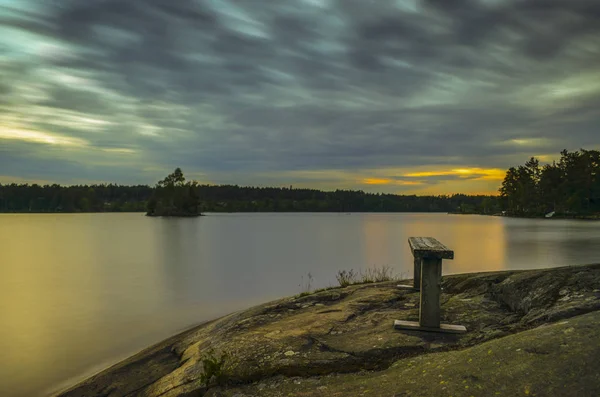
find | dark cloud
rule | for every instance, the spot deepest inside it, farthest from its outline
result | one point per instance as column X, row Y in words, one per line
column 61, row 97
column 229, row 86
column 35, row 162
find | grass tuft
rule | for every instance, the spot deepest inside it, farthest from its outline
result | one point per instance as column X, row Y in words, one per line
column 369, row 275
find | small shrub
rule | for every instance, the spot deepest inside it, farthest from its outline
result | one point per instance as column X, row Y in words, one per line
column 379, row 274
column 367, row 276
column 214, row 368
column 346, row 277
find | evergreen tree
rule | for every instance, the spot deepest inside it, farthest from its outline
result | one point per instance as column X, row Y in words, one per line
column 571, row 186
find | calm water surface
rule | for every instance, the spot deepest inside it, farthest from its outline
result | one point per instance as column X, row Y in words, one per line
column 80, row 292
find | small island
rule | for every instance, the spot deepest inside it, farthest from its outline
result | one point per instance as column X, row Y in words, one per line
column 174, row 197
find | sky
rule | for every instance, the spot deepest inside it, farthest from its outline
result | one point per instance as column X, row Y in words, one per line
column 398, row 96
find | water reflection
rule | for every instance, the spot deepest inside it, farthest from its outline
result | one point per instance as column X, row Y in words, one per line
column 177, row 256
column 78, row 292
column 542, row 243
column 479, row 244
column 380, row 239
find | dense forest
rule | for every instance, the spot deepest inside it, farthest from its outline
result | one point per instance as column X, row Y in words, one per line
column 227, row 198
column 569, row 186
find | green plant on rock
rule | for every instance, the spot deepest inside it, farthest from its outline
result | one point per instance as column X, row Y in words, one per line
column 214, row 368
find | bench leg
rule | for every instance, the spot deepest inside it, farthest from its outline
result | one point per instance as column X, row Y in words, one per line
column 431, row 276
column 417, row 273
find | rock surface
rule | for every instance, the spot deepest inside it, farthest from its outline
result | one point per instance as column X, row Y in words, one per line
column 529, row 333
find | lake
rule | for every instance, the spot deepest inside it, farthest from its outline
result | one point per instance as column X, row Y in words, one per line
column 79, row 292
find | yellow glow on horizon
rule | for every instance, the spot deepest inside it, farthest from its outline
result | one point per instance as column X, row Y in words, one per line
column 387, row 181
column 414, row 180
column 482, row 173
column 377, row 181
column 426, row 174
column 528, row 142
column 40, row 137
column 410, row 183
column 463, row 171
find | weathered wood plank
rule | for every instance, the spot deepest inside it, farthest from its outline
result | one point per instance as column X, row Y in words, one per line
column 429, row 247
column 415, row 326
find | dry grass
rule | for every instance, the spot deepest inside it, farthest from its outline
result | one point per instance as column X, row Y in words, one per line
column 369, row 275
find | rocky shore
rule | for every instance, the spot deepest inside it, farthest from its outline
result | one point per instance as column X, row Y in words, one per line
column 531, row 333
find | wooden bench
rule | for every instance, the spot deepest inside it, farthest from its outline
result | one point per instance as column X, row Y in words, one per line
column 428, row 254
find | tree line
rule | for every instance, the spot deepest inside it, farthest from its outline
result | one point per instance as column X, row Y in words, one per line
column 174, row 196
column 569, row 186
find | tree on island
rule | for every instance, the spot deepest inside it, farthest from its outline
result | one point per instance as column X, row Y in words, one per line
column 174, row 197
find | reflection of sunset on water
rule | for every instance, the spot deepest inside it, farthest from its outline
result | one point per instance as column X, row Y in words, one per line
column 82, row 290
column 478, row 246
column 379, row 244
column 478, row 242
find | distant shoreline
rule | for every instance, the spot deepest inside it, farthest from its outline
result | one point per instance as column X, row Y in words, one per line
column 226, row 212
column 589, row 217
column 178, row 215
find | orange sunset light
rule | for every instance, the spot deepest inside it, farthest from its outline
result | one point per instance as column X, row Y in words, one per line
column 387, row 181
column 479, row 173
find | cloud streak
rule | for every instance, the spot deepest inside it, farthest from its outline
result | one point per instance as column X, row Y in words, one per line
column 261, row 92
